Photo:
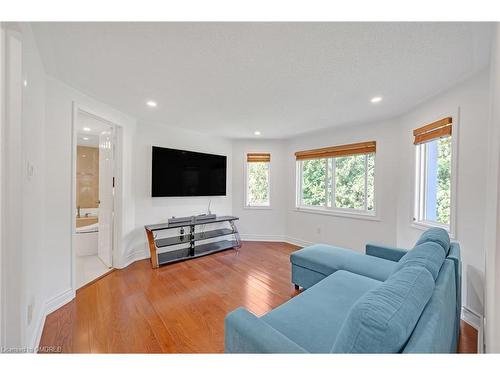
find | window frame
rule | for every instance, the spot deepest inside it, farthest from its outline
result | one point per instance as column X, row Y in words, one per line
column 336, row 211
column 419, row 186
column 245, row 197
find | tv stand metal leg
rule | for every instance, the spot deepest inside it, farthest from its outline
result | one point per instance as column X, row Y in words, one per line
column 191, row 240
column 152, row 248
column 236, row 234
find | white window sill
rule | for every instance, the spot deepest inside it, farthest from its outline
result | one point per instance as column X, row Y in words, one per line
column 257, row 207
column 339, row 213
column 424, row 225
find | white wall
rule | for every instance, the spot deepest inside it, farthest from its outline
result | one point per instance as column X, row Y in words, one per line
column 257, row 223
column 58, row 177
column 149, row 210
column 23, row 221
column 2, row 131
column 472, row 97
column 352, row 233
column 13, row 278
column 394, row 174
column 492, row 209
column 33, row 138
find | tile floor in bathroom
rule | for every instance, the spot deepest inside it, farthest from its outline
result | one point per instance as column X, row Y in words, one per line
column 88, row 268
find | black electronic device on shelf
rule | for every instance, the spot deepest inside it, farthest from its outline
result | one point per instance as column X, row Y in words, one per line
column 191, row 219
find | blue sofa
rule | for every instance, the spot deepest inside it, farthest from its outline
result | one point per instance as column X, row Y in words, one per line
column 388, row 300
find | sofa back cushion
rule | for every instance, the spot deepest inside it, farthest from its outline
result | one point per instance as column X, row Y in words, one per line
column 436, row 235
column 382, row 320
column 428, row 255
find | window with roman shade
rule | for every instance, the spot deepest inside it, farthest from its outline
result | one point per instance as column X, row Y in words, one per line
column 257, row 180
column 337, row 178
column 433, row 178
column 262, row 157
column 436, row 130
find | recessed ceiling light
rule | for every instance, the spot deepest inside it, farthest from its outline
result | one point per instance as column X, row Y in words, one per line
column 85, row 138
column 376, row 99
column 151, row 103
column 256, row 132
column 25, row 83
column 86, row 129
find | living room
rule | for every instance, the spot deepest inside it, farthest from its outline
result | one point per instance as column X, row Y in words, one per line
column 263, row 187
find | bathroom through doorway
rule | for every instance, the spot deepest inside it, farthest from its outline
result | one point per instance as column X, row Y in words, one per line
column 94, row 191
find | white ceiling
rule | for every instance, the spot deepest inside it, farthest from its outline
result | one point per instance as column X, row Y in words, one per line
column 283, row 79
column 90, row 130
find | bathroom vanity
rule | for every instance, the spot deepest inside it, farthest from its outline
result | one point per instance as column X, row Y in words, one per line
column 83, row 221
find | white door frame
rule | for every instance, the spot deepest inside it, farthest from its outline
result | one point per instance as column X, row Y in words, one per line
column 2, row 124
column 117, row 168
column 12, row 306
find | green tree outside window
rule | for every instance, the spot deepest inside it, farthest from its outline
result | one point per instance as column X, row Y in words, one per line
column 258, row 184
column 342, row 179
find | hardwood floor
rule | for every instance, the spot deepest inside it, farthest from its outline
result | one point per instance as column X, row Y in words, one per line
column 467, row 342
column 178, row 308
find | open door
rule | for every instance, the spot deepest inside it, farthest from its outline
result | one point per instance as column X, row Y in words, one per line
column 106, row 192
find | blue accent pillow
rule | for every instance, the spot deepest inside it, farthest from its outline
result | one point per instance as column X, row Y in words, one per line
column 437, row 235
column 428, row 255
column 382, row 320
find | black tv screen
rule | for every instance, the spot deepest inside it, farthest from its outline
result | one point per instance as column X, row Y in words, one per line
column 179, row 173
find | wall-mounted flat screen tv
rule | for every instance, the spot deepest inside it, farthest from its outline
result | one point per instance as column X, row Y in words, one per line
column 179, row 173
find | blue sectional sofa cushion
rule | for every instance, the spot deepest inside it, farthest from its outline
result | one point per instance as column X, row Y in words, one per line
column 314, row 317
column 437, row 235
column 437, row 328
column 428, row 255
column 382, row 320
column 326, row 259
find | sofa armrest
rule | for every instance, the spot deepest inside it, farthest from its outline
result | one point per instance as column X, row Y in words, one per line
column 245, row 333
column 385, row 252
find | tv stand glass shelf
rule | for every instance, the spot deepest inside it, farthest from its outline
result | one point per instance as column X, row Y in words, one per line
column 189, row 246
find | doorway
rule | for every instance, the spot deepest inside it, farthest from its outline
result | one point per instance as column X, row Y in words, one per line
column 93, row 198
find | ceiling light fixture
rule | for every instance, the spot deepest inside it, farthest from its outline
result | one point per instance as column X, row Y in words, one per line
column 85, row 138
column 86, row 129
column 151, row 103
column 376, row 99
column 256, row 132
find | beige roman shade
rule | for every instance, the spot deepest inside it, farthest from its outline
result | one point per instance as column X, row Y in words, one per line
column 435, row 130
column 259, row 157
column 336, row 151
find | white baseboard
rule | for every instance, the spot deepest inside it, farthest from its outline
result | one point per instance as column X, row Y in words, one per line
column 50, row 306
column 140, row 254
column 471, row 317
column 274, row 238
column 480, row 338
column 263, row 237
column 37, row 333
column 298, row 242
column 133, row 257
column 58, row 301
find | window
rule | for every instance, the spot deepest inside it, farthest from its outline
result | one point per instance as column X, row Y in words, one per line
column 340, row 178
column 313, row 182
column 257, row 180
column 433, row 182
